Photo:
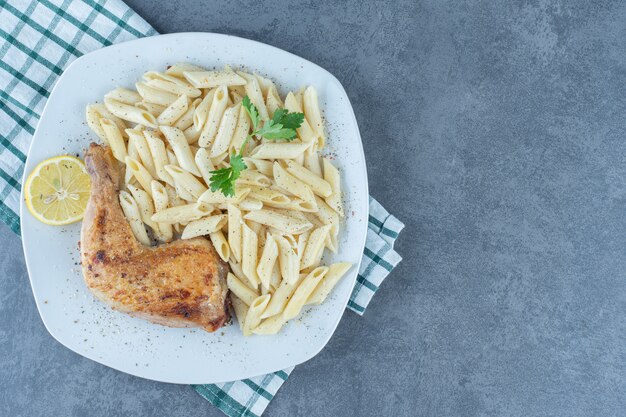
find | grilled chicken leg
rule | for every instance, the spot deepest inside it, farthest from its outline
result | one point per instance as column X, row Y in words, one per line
column 179, row 284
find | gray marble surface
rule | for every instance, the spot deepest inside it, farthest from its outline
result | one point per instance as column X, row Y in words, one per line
column 496, row 131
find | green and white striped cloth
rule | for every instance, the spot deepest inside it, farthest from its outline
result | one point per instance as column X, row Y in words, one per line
column 38, row 39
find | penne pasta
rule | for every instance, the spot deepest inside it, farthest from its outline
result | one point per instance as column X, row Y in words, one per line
column 266, row 263
column 204, row 226
column 218, row 105
column 235, row 220
column 123, row 95
column 186, row 120
column 182, row 214
column 253, row 318
column 331, row 175
column 181, row 149
column 114, row 138
column 254, row 178
column 170, row 84
column 216, row 197
column 279, row 220
column 312, row 163
column 279, row 150
column 174, row 111
column 202, row 111
column 250, row 204
column 268, row 196
column 210, row 79
column 144, row 203
column 95, row 112
column 312, row 111
column 140, row 173
column 249, row 254
column 159, row 155
column 155, row 95
column 335, row 273
column 302, row 293
column 130, row 113
column 163, row 231
column 270, row 325
column 314, row 247
column 293, row 185
column 204, row 164
column 264, row 167
column 143, row 150
column 220, row 244
column 225, row 131
column 185, row 180
column 153, row 109
column 132, row 214
column 241, row 290
column 272, row 101
column 287, row 260
column 241, row 310
column 280, row 298
column 317, row 184
column 178, row 70
column 305, row 132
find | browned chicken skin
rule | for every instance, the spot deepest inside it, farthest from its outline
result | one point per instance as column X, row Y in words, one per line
column 179, row 284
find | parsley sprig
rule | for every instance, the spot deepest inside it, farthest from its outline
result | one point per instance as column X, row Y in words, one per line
column 282, row 126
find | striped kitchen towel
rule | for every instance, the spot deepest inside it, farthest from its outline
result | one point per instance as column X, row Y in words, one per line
column 38, row 39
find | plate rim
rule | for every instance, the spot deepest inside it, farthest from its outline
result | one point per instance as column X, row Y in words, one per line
column 219, row 37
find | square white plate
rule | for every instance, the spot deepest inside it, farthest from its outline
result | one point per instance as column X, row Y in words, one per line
column 85, row 325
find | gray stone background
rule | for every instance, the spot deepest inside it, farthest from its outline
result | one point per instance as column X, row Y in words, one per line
column 496, row 131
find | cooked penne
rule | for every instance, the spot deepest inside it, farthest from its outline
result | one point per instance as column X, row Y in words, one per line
column 178, row 69
column 179, row 144
column 249, row 254
column 220, row 244
column 185, row 180
column 287, row 259
column 279, row 150
column 204, row 164
column 202, row 111
column 182, row 214
column 241, row 290
column 153, row 109
column 263, row 166
column 317, row 184
column 302, row 293
column 210, row 79
column 159, row 155
column 280, row 298
column 155, row 95
column 225, row 131
column 270, row 325
column 305, row 132
column 292, row 184
column 312, row 163
column 132, row 214
column 123, row 95
column 266, row 262
column 95, row 112
column 314, row 247
column 144, row 203
column 301, row 244
column 253, row 318
column 130, row 113
column 253, row 90
column 186, row 119
column 160, row 198
column 268, row 196
column 250, row 204
column 241, row 309
column 241, row 131
column 192, row 134
column 218, row 105
column 279, row 220
column 143, row 150
column 114, row 138
column 204, row 226
column 255, row 178
column 272, row 101
column 235, row 220
column 331, row 175
column 264, row 84
column 170, row 84
column 312, row 110
column 174, row 111
column 140, row 173
column 335, row 273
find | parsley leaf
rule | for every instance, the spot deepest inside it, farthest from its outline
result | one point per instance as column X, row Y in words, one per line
column 224, row 179
column 282, row 126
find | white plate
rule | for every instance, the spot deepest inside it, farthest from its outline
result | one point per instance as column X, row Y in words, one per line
column 85, row 325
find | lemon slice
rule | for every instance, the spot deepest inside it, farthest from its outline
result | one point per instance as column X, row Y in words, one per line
column 57, row 190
